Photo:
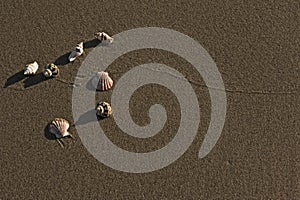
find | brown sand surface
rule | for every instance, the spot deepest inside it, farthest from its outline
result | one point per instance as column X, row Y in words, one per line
column 255, row 45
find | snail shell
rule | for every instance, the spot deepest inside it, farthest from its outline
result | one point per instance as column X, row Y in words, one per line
column 102, row 36
column 31, row 68
column 51, row 70
column 77, row 51
column 103, row 109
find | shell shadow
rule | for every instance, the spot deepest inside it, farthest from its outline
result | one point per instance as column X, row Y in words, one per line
column 89, row 116
column 62, row 60
column 34, row 80
column 91, row 44
column 94, row 43
column 90, row 86
column 47, row 134
column 19, row 76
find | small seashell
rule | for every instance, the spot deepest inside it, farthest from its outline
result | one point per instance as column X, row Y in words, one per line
column 59, row 127
column 103, row 110
column 102, row 81
column 78, row 50
column 31, row 68
column 103, row 37
column 51, row 70
column 47, row 73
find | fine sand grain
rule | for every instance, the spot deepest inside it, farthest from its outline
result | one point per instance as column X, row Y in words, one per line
column 256, row 48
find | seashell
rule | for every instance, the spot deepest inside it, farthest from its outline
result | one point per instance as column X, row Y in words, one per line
column 59, row 127
column 78, row 50
column 103, row 110
column 103, row 37
column 51, row 70
column 31, row 68
column 47, row 73
column 102, row 81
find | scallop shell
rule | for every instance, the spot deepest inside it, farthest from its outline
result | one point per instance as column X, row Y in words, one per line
column 31, row 68
column 102, row 81
column 78, row 50
column 51, row 70
column 103, row 109
column 59, row 127
column 102, row 36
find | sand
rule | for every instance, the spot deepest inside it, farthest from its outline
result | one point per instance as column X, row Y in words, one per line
column 256, row 48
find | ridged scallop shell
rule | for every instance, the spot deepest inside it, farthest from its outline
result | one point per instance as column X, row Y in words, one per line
column 77, row 51
column 51, row 70
column 103, row 109
column 102, row 81
column 102, row 36
column 59, row 127
column 31, row 68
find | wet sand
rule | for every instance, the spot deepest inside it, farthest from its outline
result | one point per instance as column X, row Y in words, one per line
column 256, row 49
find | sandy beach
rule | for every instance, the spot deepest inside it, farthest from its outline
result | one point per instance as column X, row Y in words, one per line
column 255, row 46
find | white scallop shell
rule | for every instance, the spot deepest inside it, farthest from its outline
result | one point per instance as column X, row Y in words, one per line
column 31, row 68
column 102, row 81
column 103, row 109
column 59, row 127
column 78, row 50
column 102, row 36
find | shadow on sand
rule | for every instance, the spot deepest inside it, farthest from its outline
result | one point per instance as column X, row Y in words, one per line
column 91, row 44
column 29, row 80
column 62, row 60
column 34, row 80
column 38, row 78
column 15, row 78
column 47, row 134
column 88, row 117
column 89, row 85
